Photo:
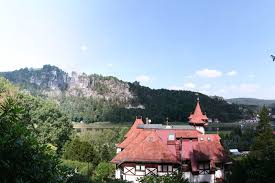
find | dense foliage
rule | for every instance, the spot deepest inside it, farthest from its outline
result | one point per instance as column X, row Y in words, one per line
column 259, row 165
column 31, row 130
column 45, row 119
column 169, row 178
column 22, row 157
column 238, row 138
column 91, row 152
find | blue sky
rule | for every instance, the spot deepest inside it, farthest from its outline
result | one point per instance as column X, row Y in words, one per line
column 212, row 46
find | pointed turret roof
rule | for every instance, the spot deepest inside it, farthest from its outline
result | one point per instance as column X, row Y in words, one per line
column 198, row 118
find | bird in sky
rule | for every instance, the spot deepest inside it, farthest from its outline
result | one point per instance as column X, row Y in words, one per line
column 273, row 57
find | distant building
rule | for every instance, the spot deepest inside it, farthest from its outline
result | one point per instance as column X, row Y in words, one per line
column 156, row 149
column 234, row 152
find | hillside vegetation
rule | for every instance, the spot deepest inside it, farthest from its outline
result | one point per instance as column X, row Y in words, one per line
column 252, row 101
column 92, row 98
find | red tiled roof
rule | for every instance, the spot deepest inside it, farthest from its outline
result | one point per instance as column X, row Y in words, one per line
column 187, row 148
column 198, row 117
column 131, row 134
column 134, row 128
column 188, row 134
column 151, row 150
column 209, row 148
column 134, row 139
column 153, row 146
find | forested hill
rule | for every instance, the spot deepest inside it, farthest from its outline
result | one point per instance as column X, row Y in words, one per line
column 252, row 101
column 97, row 98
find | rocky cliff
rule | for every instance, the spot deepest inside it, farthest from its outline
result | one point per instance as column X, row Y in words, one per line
column 94, row 97
column 53, row 82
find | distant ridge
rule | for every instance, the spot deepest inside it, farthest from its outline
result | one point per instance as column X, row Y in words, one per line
column 251, row 101
column 92, row 97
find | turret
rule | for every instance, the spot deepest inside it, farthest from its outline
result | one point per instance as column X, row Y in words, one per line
column 198, row 119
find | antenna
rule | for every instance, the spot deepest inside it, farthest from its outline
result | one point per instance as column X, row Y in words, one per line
column 167, row 121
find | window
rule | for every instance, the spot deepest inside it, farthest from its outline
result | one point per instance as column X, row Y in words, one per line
column 140, row 168
column 204, row 166
column 171, row 137
column 160, row 168
column 165, row 168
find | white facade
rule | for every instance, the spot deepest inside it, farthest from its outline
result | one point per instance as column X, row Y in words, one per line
column 131, row 174
column 200, row 129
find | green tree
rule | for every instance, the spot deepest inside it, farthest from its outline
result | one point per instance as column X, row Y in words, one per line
column 22, row 158
column 259, row 165
column 81, row 151
column 103, row 172
column 45, row 120
column 105, row 154
column 264, row 148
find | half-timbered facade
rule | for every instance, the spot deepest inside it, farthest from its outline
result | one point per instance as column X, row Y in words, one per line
column 162, row 149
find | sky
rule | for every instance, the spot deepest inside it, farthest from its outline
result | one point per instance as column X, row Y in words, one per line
column 211, row 46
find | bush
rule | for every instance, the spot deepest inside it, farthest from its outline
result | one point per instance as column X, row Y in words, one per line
column 80, row 167
column 103, row 172
column 169, row 178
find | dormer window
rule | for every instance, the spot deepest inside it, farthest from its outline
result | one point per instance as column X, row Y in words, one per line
column 171, row 137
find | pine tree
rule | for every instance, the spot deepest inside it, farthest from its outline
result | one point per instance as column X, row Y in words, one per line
column 264, row 143
column 105, row 154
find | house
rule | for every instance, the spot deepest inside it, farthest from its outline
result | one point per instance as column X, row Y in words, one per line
column 156, row 149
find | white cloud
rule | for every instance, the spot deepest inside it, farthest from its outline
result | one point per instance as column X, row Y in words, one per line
column 84, row 48
column 110, row 65
column 189, row 85
column 144, row 79
column 209, row 73
column 232, row 73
